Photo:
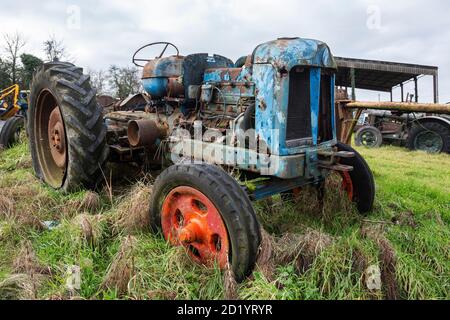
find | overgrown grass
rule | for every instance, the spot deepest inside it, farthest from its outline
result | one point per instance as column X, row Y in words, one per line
column 407, row 236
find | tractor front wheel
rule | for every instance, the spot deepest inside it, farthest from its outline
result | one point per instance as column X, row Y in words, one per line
column 359, row 183
column 369, row 137
column 203, row 209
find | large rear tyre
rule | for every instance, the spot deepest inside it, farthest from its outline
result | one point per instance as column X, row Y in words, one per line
column 431, row 137
column 369, row 137
column 10, row 132
column 65, row 124
column 359, row 183
column 203, row 209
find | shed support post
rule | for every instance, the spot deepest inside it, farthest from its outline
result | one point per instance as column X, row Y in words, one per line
column 436, row 88
column 402, row 92
column 353, row 80
column 392, row 98
column 416, row 90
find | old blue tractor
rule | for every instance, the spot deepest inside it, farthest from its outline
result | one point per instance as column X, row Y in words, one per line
column 208, row 127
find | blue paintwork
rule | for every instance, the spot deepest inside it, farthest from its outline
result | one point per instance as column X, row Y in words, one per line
column 233, row 83
column 156, row 87
column 267, row 81
column 294, row 52
column 315, row 102
column 333, row 107
column 272, row 96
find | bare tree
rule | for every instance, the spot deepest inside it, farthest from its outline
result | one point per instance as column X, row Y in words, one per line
column 99, row 81
column 124, row 81
column 55, row 50
column 14, row 43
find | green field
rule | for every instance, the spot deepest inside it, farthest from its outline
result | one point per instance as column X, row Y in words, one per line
column 308, row 252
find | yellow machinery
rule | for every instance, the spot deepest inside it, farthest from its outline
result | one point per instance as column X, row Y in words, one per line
column 9, row 98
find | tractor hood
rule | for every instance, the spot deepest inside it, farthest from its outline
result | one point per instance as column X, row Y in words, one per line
column 289, row 52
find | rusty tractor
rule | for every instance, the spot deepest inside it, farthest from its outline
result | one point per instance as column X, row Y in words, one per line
column 209, row 127
column 417, row 131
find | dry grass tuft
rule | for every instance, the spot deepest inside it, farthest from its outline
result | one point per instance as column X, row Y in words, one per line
column 265, row 262
column 359, row 261
column 28, row 275
column 122, row 269
column 25, row 163
column 230, row 285
column 388, row 260
column 21, row 287
column 7, row 207
column 26, row 261
column 132, row 215
column 22, row 216
column 161, row 295
column 301, row 249
column 91, row 202
column 89, row 227
column 405, row 219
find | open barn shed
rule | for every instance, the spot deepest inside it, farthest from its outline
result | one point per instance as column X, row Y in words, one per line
column 383, row 76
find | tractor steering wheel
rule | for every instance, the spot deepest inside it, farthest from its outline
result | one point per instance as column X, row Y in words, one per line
column 167, row 44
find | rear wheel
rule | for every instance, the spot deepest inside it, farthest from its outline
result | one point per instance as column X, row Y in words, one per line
column 203, row 209
column 10, row 132
column 431, row 137
column 67, row 133
column 369, row 137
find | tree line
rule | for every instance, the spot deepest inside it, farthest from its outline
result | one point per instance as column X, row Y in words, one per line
column 17, row 66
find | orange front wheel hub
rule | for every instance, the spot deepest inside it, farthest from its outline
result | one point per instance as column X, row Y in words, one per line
column 347, row 184
column 191, row 220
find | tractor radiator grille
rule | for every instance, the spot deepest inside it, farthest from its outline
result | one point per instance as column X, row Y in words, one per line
column 325, row 109
column 299, row 109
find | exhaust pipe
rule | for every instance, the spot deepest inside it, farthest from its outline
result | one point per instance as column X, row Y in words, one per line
column 144, row 133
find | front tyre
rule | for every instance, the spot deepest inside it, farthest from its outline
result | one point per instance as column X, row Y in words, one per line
column 369, row 137
column 65, row 124
column 203, row 209
column 358, row 183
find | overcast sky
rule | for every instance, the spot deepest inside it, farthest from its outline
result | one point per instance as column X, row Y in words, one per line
column 103, row 32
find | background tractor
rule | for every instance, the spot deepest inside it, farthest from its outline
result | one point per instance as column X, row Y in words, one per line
column 418, row 126
column 417, row 131
column 269, row 118
column 13, row 111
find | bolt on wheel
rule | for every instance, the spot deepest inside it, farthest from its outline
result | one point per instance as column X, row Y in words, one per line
column 190, row 219
column 57, row 138
column 203, row 209
column 50, row 132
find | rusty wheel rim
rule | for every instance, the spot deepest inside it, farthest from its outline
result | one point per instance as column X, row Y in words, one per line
column 191, row 220
column 50, row 139
column 347, row 184
column 57, row 138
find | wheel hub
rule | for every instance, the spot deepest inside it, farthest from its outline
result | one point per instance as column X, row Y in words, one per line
column 429, row 142
column 347, row 184
column 368, row 139
column 191, row 220
column 57, row 138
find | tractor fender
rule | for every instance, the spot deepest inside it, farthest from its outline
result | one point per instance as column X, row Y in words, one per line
column 441, row 120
